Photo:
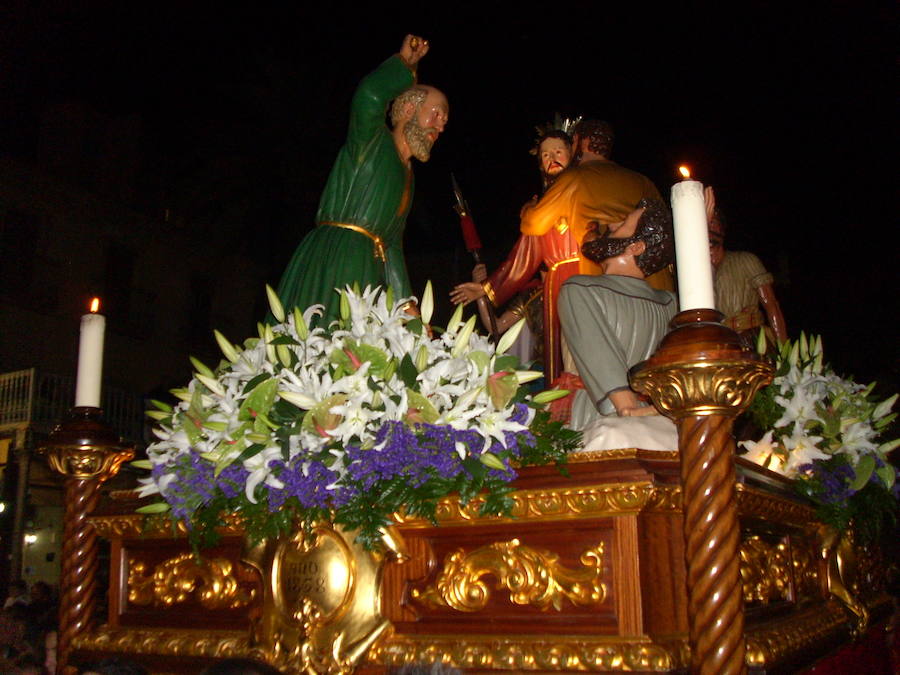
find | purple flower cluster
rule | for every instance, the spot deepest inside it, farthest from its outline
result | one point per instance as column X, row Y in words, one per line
column 307, row 480
column 195, row 483
column 417, row 454
column 834, row 480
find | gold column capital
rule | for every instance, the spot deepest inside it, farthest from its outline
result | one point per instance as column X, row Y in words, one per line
column 83, row 447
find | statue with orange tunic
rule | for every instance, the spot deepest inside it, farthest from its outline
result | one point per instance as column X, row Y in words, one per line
column 588, row 197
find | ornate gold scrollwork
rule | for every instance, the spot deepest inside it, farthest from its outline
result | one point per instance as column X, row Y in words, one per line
column 168, row 642
column 83, row 463
column 702, row 387
column 321, row 607
column 765, row 571
column 175, row 580
column 838, row 551
column 533, row 577
column 755, row 503
column 771, row 643
column 806, row 568
column 527, row 653
column 613, row 499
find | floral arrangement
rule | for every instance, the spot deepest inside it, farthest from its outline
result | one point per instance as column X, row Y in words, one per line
column 374, row 414
column 824, row 431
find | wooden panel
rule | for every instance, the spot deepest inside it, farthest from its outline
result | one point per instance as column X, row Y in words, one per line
column 159, row 605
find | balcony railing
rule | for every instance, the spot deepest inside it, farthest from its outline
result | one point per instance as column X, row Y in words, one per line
column 43, row 399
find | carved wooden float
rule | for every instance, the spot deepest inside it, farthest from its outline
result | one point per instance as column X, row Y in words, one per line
column 589, row 575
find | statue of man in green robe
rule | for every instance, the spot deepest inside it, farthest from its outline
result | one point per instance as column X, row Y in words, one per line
column 358, row 236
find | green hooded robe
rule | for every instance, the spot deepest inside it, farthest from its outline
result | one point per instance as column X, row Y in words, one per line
column 369, row 186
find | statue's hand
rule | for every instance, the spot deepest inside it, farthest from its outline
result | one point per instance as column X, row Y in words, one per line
column 479, row 272
column 412, row 50
column 466, row 292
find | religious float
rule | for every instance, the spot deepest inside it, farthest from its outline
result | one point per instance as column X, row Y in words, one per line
column 383, row 493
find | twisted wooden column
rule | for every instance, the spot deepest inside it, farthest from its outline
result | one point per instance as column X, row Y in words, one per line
column 702, row 378
column 87, row 453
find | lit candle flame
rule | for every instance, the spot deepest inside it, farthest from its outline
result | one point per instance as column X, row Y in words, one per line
column 684, row 171
column 95, row 305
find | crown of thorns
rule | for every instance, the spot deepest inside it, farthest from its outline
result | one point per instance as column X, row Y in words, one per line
column 559, row 123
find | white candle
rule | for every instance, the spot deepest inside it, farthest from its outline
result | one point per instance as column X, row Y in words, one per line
column 90, row 358
column 695, row 281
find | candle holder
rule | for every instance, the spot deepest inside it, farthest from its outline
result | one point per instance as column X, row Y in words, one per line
column 87, row 452
column 702, row 378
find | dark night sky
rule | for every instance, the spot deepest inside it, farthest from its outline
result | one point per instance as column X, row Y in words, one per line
column 786, row 108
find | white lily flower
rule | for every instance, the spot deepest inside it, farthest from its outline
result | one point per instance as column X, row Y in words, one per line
column 493, row 424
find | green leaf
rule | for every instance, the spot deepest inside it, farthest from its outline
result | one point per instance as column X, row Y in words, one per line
column 426, row 409
column 408, row 371
column 377, row 359
column 507, row 362
column 255, row 382
column 864, row 469
column 191, row 427
column 157, row 415
column 321, row 414
column 887, row 473
column 480, row 359
column 250, row 451
column 415, row 326
column 345, row 305
column 501, row 388
column 142, row 464
column 162, row 406
column 260, row 400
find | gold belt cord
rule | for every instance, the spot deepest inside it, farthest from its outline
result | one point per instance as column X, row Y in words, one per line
column 377, row 241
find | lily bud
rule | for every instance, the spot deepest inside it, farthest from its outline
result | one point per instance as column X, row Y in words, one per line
column 275, row 304
column 427, row 307
column 524, row 376
column 462, row 340
column 300, row 324
column 490, row 460
column 455, row 319
column 201, row 367
column 300, row 400
column 549, row 395
column 510, row 336
column 227, row 348
column 212, row 384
